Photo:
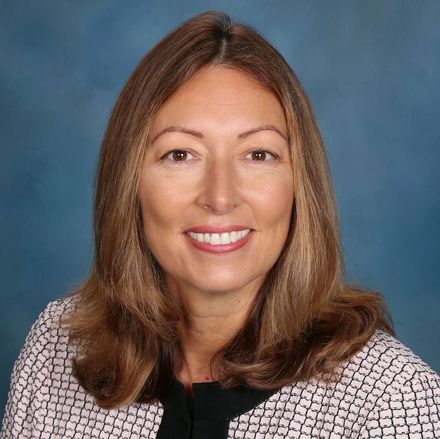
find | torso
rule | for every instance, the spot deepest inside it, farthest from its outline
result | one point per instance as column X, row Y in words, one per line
column 383, row 391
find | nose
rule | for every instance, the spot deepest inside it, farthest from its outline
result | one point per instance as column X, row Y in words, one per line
column 220, row 191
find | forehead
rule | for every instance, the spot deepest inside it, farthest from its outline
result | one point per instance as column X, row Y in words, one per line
column 222, row 98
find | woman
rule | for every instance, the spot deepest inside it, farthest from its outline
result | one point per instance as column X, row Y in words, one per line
column 216, row 305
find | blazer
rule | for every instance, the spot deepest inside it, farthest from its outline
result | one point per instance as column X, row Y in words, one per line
column 384, row 391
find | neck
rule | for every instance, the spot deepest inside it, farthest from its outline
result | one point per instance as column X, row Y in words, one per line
column 211, row 320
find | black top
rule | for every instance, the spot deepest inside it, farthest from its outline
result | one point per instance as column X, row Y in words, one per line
column 207, row 413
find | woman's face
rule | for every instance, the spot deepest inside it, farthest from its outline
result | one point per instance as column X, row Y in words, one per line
column 218, row 157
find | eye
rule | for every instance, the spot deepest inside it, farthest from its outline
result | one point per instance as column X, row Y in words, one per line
column 261, row 154
column 180, row 155
column 176, row 156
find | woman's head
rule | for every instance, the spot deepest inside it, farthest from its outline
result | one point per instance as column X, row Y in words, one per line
column 190, row 60
column 126, row 322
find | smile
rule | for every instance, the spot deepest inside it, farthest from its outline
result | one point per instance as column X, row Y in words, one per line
column 217, row 243
column 220, row 238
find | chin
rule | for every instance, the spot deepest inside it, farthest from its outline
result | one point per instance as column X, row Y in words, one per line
column 217, row 285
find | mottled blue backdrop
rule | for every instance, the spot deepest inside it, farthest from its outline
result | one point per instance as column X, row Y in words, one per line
column 372, row 71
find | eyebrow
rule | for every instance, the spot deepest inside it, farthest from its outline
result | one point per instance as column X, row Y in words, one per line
column 173, row 129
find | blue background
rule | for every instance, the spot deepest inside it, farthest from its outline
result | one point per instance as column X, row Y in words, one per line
column 372, row 72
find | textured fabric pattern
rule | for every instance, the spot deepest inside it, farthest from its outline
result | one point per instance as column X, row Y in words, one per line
column 385, row 391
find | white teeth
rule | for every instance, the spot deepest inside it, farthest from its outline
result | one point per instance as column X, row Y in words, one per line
column 220, row 238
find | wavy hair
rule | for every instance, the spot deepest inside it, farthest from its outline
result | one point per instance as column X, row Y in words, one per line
column 305, row 319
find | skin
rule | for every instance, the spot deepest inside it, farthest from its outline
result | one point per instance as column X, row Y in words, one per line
column 218, row 181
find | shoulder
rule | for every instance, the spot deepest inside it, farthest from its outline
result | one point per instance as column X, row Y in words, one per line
column 45, row 334
column 56, row 309
column 386, row 370
column 51, row 317
column 388, row 364
column 46, row 400
column 404, row 392
column 36, row 362
column 382, row 391
column 52, row 314
column 48, row 330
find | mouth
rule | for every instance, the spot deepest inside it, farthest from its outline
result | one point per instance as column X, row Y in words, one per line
column 220, row 239
column 220, row 243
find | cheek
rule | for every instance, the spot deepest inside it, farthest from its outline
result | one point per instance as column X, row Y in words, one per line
column 156, row 224
column 162, row 205
column 274, row 199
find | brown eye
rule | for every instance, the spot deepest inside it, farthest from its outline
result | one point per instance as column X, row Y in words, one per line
column 260, row 155
column 176, row 156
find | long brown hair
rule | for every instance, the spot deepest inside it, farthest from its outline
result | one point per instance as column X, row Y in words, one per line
column 305, row 320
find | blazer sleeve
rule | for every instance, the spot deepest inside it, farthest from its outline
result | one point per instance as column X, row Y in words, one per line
column 412, row 411
column 29, row 372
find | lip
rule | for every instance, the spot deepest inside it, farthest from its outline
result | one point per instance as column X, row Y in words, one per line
column 225, row 248
column 217, row 229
